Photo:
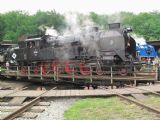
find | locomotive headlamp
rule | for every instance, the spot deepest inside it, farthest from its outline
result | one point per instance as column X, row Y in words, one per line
column 129, row 29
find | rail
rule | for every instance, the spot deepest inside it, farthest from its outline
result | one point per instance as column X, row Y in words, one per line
column 137, row 103
column 25, row 107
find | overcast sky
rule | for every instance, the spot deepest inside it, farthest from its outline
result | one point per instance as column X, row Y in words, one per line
column 83, row 6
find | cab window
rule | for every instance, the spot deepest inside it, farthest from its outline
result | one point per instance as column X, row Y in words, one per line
column 31, row 44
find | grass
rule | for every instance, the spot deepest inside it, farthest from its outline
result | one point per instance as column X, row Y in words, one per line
column 107, row 109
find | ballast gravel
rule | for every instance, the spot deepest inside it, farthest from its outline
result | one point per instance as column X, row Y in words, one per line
column 56, row 109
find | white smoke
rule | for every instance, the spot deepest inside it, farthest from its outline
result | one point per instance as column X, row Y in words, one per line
column 81, row 27
column 139, row 40
column 74, row 26
column 48, row 30
column 51, row 31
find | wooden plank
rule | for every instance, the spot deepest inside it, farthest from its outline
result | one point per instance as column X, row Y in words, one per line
column 68, row 93
column 90, row 92
column 109, row 93
column 64, row 93
column 139, row 96
column 61, row 93
column 35, row 110
column 28, row 116
column 81, row 92
column 78, row 92
column 30, row 93
column 5, row 92
column 151, row 87
column 99, row 92
column 17, row 101
column 50, row 93
column 73, row 93
column 40, row 104
column 24, row 116
column 87, row 93
column 58, row 92
column 134, row 90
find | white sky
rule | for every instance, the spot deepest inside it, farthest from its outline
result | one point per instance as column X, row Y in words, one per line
column 83, row 6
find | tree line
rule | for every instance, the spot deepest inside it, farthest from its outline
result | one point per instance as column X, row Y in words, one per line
column 15, row 24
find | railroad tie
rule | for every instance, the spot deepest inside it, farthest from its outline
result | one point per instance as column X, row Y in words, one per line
column 24, row 108
column 17, row 101
column 139, row 96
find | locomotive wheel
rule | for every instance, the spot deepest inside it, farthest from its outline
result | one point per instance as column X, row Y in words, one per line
column 68, row 68
column 123, row 71
column 37, row 69
column 57, row 68
column 54, row 67
column 84, row 70
column 23, row 70
column 44, row 68
column 99, row 70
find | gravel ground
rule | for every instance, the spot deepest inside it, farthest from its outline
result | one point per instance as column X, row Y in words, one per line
column 56, row 109
column 13, row 84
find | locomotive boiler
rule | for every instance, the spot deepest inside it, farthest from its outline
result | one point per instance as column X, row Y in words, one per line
column 91, row 47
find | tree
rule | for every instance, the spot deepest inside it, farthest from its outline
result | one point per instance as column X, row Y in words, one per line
column 2, row 27
column 20, row 23
column 17, row 24
column 100, row 20
column 146, row 24
column 50, row 19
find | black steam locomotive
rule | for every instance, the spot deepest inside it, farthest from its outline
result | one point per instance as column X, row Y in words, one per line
column 91, row 47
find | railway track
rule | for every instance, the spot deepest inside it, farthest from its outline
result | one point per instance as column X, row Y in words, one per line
column 24, row 108
column 121, row 93
column 140, row 103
